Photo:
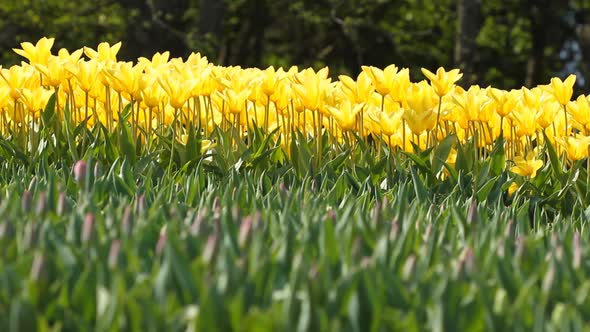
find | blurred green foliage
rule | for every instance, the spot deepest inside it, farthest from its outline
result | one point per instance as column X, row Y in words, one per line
column 518, row 41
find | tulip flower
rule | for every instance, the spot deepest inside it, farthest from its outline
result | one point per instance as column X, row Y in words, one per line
column 38, row 53
column 104, row 52
column 563, row 90
column 443, row 81
column 527, row 166
column 576, row 147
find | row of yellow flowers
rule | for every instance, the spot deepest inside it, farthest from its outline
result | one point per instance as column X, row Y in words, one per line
column 380, row 103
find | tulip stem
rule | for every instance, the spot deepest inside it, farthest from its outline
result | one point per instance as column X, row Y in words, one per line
column 565, row 118
column 438, row 119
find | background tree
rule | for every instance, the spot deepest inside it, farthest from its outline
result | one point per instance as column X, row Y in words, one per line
column 507, row 43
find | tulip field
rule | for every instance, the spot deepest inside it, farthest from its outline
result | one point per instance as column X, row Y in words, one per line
column 171, row 194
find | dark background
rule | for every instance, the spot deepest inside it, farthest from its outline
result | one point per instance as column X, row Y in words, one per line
column 506, row 43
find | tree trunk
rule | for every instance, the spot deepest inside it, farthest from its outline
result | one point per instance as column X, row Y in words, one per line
column 468, row 26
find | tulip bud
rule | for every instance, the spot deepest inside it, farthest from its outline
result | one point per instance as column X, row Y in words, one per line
column 61, row 208
column 140, row 205
column 283, row 188
column 80, row 171
column 42, row 203
column 210, row 248
column 26, row 201
column 394, row 229
column 330, row 216
column 509, row 230
column 87, row 227
column 195, row 229
column 127, row 221
column 366, row 262
column 245, row 228
column 216, row 205
column 114, row 253
column 161, row 241
column 472, row 215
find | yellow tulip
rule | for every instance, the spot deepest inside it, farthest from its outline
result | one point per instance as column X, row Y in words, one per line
column 35, row 100
column 576, row 147
column 527, row 166
column 104, row 52
column 563, row 90
column 443, row 81
column 86, row 73
column 358, row 91
column 345, row 115
column 38, row 53
column 580, row 111
column 310, row 87
column 383, row 80
column 512, row 189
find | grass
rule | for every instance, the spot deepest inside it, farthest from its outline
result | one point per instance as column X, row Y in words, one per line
column 253, row 237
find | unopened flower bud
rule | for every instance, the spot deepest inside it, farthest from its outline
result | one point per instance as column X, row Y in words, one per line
column 472, row 215
column 80, row 171
column 127, row 221
column 140, row 204
column 26, row 201
column 195, row 228
column 210, row 248
column 114, row 253
column 61, row 208
column 87, row 227
column 245, row 228
column 161, row 241
column 394, row 229
column 42, row 203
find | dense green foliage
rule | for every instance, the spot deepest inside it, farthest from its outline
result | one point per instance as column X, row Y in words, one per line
column 249, row 238
column 517, row 42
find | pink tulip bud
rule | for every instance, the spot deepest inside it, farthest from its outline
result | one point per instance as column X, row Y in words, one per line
column 472, row 215
column 210, row 248
column 394, row 229
column 197, row 224
column 140, row 204
column 26, row 201
column 114, row 253
column 61, row 204
column 245, row 228
column 127, row 221
column 87, row 227
column 80, row 171
column 42, row 203
column 161, row 241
